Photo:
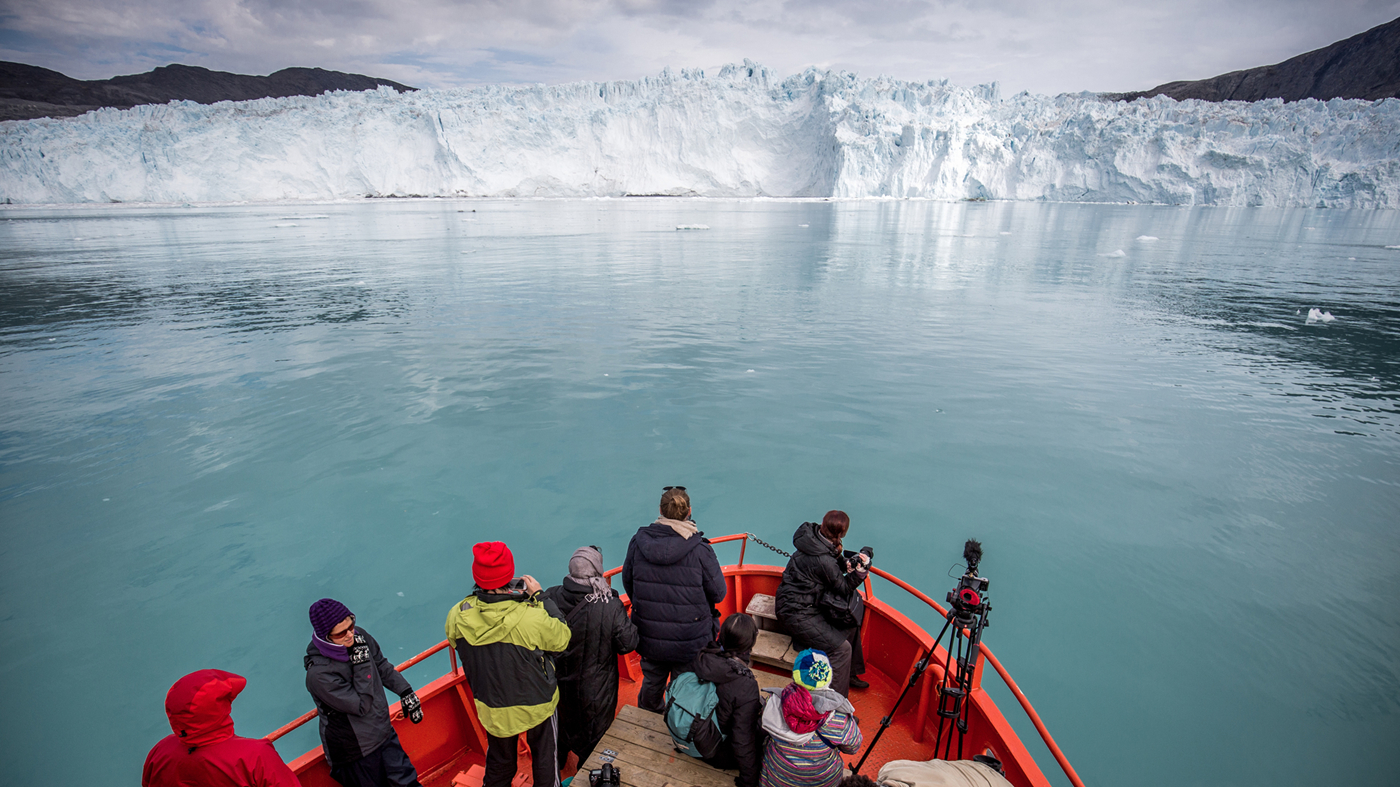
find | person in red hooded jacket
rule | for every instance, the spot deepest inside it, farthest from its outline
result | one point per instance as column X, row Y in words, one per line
column 204, row 752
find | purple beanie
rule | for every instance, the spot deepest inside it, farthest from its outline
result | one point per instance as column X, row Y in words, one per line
column 325, row 614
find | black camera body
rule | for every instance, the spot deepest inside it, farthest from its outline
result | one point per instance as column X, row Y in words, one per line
column 969, row 598
column 606, row 775
column 851, row 562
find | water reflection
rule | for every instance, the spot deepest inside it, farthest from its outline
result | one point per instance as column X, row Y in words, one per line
column 244, row 406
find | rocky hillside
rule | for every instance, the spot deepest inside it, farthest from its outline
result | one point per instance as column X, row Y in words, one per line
column 1363, row 66
column 32, row 92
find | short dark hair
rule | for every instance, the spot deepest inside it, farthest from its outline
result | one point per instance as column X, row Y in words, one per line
column 675, row 503
column 859, row 780
column 738, row 633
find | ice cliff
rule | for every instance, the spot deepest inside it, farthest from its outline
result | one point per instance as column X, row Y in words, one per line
column 739, row 133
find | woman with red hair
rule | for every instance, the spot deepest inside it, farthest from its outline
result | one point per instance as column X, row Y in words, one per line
column 818, row 571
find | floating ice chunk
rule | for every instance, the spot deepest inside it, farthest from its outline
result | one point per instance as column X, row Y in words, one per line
column 692, row 226
column 1146, row 238
column 1318, row 315
column 804, row 226
column 1116, row 253
column 400, row 593
column 749, row 371
column 287, row 224
column 1003, row 233
column 1393, row 247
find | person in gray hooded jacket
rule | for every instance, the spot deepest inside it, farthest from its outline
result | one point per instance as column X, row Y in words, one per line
column 346, row 673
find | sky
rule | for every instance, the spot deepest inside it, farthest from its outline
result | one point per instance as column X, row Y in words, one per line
column 1044, row 46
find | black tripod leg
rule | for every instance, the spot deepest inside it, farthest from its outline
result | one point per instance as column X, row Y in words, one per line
column 918, row 673
column 944, row 696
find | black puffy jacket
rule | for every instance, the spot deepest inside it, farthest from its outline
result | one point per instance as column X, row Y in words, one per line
column 673, row 583
column 813, row 569
column 739, row 713
column 587, row 671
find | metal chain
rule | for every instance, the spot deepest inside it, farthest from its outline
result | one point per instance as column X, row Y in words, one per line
column 763, row 543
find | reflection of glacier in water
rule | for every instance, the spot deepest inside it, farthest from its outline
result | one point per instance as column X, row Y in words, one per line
column 202, row 410
column 739, row 133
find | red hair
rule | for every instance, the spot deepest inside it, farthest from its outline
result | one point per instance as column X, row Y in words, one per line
column 834, row 526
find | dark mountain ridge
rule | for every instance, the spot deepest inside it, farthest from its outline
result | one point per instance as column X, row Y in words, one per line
column 1367, row 66
column 30, row 91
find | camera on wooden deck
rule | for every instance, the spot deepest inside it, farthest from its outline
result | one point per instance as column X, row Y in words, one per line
column 606, row 775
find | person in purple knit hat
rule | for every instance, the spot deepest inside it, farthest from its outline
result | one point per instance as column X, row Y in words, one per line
column 346, row 674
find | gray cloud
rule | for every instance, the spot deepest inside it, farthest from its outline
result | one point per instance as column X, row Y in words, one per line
column 1038, row 46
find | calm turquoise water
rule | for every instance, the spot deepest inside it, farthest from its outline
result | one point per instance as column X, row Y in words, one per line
column 1189, row 497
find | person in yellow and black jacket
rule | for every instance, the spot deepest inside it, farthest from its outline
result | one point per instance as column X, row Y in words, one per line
column 506, row 637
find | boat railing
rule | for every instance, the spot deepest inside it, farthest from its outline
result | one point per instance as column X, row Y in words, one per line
column 986, row 652
column 870, row 593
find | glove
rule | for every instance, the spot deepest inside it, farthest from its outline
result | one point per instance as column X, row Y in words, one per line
column 359, row 653
column 411, row 707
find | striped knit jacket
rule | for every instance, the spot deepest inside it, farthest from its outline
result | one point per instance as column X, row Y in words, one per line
column 809, row 760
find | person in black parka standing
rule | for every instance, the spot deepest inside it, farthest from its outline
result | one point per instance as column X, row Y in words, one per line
column 674, row 581
column 346, row 674
column 587, row 671
column 818, row 566
column 739, row 713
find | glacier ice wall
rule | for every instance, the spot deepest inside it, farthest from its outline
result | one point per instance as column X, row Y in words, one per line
column 738, row 133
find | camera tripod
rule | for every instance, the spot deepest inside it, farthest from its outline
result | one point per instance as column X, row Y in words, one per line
column 967, row 617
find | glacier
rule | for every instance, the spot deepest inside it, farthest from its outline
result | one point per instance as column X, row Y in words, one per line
column 740, row 132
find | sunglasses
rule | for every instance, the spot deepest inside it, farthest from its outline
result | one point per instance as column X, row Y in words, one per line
column 669, row 488
column 348, row 630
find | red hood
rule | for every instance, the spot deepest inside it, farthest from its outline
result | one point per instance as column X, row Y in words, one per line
column 198, row 706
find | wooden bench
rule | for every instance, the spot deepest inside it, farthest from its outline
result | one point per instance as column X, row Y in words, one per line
column 773, row 647
column 639, row 745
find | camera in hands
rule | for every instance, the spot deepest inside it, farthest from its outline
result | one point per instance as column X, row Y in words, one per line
column 853, row 560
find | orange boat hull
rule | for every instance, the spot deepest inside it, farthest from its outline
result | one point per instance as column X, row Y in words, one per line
column 450, row 739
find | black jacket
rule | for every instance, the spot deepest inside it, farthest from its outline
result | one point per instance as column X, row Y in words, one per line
column 813, row 569
column 587, row 671
column 350, row 700
column 673, row 584
column 739, row 712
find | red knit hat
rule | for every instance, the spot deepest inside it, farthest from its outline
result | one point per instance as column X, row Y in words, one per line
column 493, row 566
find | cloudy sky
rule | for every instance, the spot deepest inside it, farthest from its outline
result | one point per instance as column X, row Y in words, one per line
column 1045, row 46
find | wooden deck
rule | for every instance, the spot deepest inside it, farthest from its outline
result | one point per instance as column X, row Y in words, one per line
column 639, row 744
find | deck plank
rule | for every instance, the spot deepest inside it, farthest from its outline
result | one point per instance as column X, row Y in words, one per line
column 645, row 755
column 774, row 649
column 762, row 605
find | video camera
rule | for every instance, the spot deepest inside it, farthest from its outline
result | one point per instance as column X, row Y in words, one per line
column 969, row 598
column 851, row 562
column 606, row 775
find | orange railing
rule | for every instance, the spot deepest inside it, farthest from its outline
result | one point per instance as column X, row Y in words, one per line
column 743, row 548
column 982, row 647
column 311, row 714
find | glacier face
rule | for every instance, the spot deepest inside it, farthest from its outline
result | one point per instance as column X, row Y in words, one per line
column 739, row 133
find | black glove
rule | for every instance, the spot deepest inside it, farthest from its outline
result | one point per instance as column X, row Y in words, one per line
column 359, row 652
column 411, row 707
